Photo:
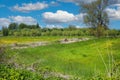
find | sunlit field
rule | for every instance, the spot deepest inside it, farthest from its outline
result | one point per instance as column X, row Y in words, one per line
column 60, row 40
column 13, row 39
column 81, row 59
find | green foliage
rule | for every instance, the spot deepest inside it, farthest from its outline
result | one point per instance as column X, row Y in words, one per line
column 99, row 31
column 37, row 26
column 77, row 59
column 50, row 32
column 9, row 73
column 28, row 32
column 96, row 16
column 114, row 75
column 5, row 31
column 13, row 26
column 35, row 30
column 116, row 70
column 22, row 26
column 80, row 59
column 113, row 33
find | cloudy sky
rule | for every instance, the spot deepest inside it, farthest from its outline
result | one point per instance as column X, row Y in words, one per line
column 50, row 13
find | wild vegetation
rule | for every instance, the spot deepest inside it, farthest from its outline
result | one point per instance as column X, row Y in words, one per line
column 93, row 54
column 79, row 60
column 75, row 60
column 33, row 30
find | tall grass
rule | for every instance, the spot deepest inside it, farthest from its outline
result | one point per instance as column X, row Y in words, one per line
column 77, row 59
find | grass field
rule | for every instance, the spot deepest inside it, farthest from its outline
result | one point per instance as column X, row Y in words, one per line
column 81, row 59
column 13, row 39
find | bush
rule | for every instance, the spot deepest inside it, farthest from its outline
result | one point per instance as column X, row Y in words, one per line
column 5, row 31
column 9, row 73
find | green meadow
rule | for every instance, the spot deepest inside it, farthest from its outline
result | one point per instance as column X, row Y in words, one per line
column 79, row 59
column 24, row 39
column 60, row 40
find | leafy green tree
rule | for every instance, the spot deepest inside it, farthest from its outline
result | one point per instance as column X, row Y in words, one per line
column 22, row 26
column 96, row 16
column 32, row 27
column 37, row 26
column 5, row 31
column 13, row 26
column 46, row 29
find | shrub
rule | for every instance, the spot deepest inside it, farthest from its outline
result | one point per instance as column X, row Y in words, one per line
column 9, row 73
column 5, row 31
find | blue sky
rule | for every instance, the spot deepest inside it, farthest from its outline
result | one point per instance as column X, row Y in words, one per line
column 50, row 13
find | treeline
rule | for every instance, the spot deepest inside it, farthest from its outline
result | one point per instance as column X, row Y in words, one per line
column 35, row 30
column 15, row 28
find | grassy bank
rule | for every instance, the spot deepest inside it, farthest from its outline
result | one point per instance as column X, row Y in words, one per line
column 78, row 59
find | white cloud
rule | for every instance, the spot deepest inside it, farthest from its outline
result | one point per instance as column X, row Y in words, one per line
column 18, row 19
column 80, row 16
column 58, row 17
column 23, row 19
column 115, row 5
column 114, row 13
column 81, row 26
column 61, row 17
column 30, row 7
column 54, row 26
column 4, row 22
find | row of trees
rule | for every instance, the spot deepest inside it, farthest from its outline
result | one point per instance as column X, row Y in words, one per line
column 70, row 31
column 50, row 32
column 15, row 26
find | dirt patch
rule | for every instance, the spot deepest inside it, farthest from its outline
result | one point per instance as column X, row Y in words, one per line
column 26, row 45
column 66, row 41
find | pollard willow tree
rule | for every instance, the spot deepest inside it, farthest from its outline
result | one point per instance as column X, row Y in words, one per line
column 96, row 16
